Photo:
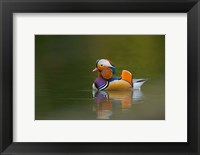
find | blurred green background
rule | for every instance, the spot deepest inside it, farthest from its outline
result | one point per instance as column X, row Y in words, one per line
column 63, row 74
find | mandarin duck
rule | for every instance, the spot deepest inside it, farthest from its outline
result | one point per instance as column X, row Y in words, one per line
column 106, row 81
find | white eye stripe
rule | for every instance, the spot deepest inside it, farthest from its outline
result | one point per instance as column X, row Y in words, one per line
column 105, row 63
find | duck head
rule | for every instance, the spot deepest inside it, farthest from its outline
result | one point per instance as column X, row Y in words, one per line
column 102, row 63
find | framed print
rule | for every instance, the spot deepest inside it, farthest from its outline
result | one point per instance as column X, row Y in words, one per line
column 103, row 77
column 147, row 104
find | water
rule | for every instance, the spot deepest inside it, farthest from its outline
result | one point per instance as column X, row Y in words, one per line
column 63, row 77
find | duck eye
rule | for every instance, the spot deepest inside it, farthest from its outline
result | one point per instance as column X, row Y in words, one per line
column 101, row 64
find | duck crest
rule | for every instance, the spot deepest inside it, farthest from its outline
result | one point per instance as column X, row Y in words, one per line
column 110, row 62
column 113, row 68
column 97, row 62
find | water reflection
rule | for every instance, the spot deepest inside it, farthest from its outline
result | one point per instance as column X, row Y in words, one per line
column 106, row 100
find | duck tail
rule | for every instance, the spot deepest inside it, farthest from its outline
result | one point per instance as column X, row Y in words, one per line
column 127, row 76
column 137, row 83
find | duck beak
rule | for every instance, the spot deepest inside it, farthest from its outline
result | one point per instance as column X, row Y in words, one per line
column 96, row 69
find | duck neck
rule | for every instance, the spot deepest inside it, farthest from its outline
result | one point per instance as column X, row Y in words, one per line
column 99, row 74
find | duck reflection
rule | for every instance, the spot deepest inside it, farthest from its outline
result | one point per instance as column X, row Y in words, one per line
column 105, row 100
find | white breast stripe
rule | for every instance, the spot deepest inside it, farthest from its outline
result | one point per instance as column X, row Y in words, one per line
column 105, row 86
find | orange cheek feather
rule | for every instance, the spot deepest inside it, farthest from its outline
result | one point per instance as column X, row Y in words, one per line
column 106, row 73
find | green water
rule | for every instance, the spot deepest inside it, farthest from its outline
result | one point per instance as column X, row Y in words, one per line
column 63, row 77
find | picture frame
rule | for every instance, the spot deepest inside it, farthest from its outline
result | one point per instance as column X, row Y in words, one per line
column 8, row 7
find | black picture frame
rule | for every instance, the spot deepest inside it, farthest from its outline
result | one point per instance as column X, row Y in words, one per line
column 8, row 7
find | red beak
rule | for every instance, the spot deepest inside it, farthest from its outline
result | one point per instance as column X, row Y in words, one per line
column 96, row 69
